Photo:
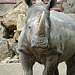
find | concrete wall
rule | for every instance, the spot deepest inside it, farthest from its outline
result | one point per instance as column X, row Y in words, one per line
column 6, row 7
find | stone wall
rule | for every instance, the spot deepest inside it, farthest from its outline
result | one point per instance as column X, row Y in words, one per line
column 8, row 44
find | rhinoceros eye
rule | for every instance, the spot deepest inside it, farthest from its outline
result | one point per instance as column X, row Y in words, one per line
column 29, row 27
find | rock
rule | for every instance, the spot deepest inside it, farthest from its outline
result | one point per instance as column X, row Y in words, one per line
column 69, row 6
column 16, row 35
column 20, row 25
column 9, row 19
column 8, row 48
column 15, row 59
column 7, row 33
column 4, row 52
column 20, row 22
column 1, row 34
column 13, row 47
column 5, row 60
column 1, row 29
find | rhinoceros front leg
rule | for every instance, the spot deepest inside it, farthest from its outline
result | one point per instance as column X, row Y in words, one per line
column 51, row 64
column 27, row 62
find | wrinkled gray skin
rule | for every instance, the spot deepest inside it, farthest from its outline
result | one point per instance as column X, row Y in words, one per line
column 47, row 37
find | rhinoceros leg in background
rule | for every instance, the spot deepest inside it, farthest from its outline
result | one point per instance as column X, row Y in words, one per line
column 71, row 65
column 56, row 72
column 51, row 64
column 27, row 62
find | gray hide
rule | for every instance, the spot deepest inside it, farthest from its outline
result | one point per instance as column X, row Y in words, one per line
column 57, row 34
column 62, row 34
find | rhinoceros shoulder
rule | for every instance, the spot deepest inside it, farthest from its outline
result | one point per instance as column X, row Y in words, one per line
column 61, row 17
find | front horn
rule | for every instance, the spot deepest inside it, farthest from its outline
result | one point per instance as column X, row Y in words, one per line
column 41, row 26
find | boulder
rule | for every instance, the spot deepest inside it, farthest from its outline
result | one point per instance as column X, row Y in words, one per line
column 20, row 25
column 16, row 35
column 6, row 33
column 4, row 52
column 20, row 22
column 13, row 47
column 8, row 48
column 15, row 59
column 9, row 19
column 1, row 34
column 1, row 29
column 5, row 60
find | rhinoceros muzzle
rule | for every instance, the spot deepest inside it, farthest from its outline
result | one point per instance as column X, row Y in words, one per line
column 40, row 42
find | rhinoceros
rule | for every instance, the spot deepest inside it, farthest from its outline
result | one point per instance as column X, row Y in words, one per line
column 48, row 37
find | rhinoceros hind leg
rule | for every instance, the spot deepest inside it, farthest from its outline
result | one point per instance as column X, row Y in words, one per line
column 71, row 65
column 27, row 62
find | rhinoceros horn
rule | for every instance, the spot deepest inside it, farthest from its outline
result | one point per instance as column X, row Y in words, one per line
column 41, row 26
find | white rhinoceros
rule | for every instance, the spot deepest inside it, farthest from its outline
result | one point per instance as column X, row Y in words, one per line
column 47, row 37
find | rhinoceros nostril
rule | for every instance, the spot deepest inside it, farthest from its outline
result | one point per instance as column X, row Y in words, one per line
column 40, row 35
column 32, row 41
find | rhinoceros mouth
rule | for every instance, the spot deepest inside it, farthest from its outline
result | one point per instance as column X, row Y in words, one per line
column 39, row 42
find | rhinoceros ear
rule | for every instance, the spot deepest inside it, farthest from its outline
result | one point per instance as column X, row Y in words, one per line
column 29, row 2
column 51, row 4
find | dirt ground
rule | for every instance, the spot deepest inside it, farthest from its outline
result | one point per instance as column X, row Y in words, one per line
column 38, row 69
column 16, row 69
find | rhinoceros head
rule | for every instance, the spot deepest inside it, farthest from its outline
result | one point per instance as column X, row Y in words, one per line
column 38, row 23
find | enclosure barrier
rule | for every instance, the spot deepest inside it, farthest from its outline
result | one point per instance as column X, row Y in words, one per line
column 4, row 2
column 56, row 9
